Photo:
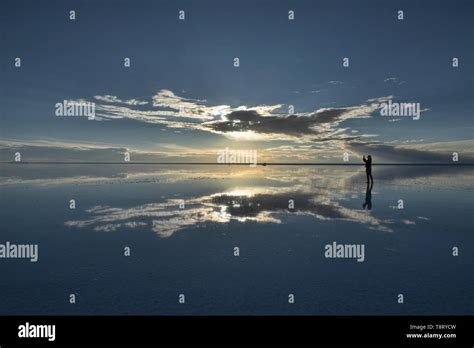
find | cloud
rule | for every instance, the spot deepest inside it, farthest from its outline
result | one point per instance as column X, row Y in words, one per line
column 258, row 205
column 187, row 108
column 116, row 100
column 260, row 122
column 417, row 153
column 394, row 80
column 320, row 125
column 47, row 151
column 324, row 127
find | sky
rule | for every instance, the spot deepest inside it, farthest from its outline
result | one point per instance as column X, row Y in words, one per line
column 183, row 99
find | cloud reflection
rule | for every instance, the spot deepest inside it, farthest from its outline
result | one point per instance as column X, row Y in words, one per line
column 248, row 204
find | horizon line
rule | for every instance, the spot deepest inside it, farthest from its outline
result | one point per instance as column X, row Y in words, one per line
column 238, row 164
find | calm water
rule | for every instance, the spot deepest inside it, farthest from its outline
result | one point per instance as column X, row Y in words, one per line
column 189, row 249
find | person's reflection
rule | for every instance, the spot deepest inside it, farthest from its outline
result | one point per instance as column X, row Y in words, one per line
column 368, row 197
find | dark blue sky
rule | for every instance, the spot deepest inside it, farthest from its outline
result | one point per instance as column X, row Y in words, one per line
column 282, row 62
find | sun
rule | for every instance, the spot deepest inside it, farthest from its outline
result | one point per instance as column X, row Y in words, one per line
column 247, row 135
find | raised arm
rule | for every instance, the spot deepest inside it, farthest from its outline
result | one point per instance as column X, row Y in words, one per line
column 363, row 159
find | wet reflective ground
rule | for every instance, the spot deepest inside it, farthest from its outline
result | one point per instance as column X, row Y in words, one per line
column 182, row 224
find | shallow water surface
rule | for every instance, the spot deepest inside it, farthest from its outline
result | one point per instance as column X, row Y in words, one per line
column 183, row 223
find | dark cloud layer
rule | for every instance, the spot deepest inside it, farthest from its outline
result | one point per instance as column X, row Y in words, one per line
column 391, row 153
column 317, row 123
column 243, row 206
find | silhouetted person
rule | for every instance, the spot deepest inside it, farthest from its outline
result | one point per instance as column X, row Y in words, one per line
column 368, row 197
column 368, row 168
